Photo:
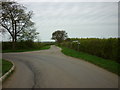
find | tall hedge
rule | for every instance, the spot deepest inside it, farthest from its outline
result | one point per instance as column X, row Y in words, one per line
column 106, row 48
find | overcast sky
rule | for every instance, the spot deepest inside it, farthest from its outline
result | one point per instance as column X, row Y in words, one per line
column 78, row 19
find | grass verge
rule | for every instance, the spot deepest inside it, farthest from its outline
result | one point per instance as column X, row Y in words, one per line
column 109, row 65
column 25, row 50
column 45, row 47
column 6, row 66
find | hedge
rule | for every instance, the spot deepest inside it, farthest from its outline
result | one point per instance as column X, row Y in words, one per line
column 105, row 48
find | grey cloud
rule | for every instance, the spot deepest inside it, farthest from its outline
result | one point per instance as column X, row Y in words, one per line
column 79, row 19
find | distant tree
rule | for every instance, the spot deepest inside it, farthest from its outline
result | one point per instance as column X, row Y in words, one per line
column 59, row 36
column 14, row 19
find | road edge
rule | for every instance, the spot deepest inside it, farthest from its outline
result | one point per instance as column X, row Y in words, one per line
column 7, row 73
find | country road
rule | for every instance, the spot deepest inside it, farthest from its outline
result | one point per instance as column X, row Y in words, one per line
column 52, row 69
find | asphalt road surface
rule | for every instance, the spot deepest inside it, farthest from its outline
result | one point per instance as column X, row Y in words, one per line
column 51, row 69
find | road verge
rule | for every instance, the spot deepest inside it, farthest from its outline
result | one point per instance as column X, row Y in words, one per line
column 3, row 77
column 109, row 65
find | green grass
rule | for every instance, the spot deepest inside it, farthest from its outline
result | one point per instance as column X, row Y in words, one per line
column 109, row 65
column 45, row 47
column 25, row 50
column 6, row 66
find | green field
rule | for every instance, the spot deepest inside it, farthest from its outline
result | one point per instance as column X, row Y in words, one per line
column 109, row 65
column 6, row 66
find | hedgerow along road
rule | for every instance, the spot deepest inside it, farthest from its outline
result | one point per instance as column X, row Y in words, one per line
column 52, row 69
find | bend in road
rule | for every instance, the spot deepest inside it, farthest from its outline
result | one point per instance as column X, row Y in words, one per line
column 52, row 69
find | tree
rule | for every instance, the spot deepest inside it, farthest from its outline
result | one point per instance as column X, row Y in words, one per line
column 59, row 36
column 29, row 34
column 14, row 19
column 2, row 30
